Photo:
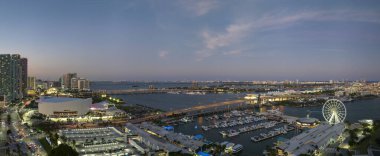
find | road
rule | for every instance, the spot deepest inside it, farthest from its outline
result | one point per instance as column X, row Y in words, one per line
column 188, row 110
column 20, row 138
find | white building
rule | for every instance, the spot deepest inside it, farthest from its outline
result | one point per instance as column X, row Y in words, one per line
column 63, row 106
column 97, row 141
column 153, row 142
column 313, row 140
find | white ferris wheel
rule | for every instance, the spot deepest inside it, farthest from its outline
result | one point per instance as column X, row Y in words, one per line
column 334, row 111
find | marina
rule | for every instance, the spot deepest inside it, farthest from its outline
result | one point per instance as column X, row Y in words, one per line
column 232, row 119
column 237, row 127
column 171, row 102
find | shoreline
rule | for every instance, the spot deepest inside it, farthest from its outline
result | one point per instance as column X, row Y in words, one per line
column 282, row 103
column 303, row 105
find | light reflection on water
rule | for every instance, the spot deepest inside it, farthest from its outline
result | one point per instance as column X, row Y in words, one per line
column 200, row 121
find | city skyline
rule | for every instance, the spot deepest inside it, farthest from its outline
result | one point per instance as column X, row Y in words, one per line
column 195, row 40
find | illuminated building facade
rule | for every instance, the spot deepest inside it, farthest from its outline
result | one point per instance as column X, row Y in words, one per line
column 63, row 106
column 13, row 70
column 66, row 80
column 80, row 84
column 24, row 75
column 31, row 83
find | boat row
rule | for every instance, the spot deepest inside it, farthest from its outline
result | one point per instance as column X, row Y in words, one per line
column 188, row 93
column 186, row 119
column 195, row 93
column 232, row 114
column 271, row 134
column 235, row 122
column 232, row 132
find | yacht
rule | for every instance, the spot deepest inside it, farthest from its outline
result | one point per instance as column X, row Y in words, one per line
column 186, row 119
column 174, row 92
column 255, row 138
column 232, row 133
column 263, row 135
column 224, row 133
column 205, row 128
column 229, row 147
column 237, row 148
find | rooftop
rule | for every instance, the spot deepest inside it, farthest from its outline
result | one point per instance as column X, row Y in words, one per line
column 307, row 120
column 57, row 99
column 152, row 140
column 312, row 139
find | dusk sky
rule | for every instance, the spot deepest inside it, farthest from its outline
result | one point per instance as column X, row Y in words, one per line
column 195, row 40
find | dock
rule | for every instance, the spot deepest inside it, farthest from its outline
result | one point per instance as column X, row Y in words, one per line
column 252, row 128
column 272, row 134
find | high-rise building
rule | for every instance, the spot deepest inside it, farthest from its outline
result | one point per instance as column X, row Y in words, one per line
column 11, row 76
column 83, row 84
column 66, row 80
column 42, row 85
column 54, row 84
column 5, row 74
column 74, row 83
column 31, row 83
column 80, row 84
column 24, row 75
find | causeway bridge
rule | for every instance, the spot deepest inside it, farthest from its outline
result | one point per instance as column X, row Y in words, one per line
column 144, row 91
column 196, row 110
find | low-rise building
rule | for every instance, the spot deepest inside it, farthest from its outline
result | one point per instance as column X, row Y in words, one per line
column 97, row 141
column 107, row 109
column 307, row 122
column 312, row 141
column 188, row 142
column 151, row 141
column 63, row 106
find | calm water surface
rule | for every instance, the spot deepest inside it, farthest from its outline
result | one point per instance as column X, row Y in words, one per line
column 170, row 102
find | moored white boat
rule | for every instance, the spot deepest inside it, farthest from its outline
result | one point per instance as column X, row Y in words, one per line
column 237, row 148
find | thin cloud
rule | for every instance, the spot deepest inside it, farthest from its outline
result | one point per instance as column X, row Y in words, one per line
column 233, row 33
column 232, row 52
column 163, row 54
column 213, row 42
column 200, row 7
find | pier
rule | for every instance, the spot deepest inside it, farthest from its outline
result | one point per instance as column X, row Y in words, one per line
column 272, row 134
